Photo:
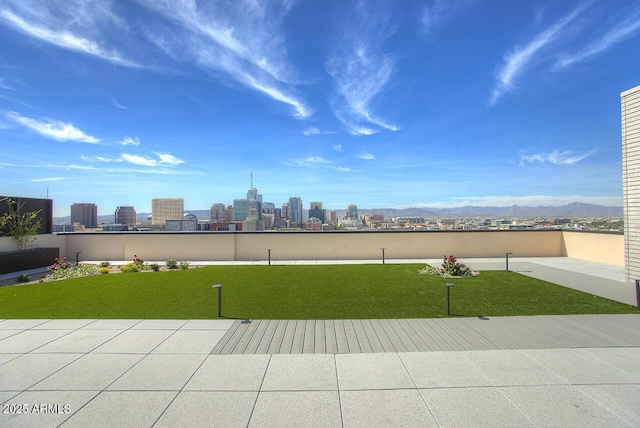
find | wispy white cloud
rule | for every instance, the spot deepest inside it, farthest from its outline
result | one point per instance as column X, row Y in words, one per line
column 519, row 58
column 437, row 12
column 366, row 156
column 54, row 129
column 39, row 180
column 167, row 159
column 99, row 159
column 242, row 39
column 337, row 147
column 315, row 131
column 129, row 141
column 164, row 159
column 360, row 70
column 3, row 85
column 50, row 21
column 625, row 28
column 317, row 162
column 117, row 104
column 556, row 157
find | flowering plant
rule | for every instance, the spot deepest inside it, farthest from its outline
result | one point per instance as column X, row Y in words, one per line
column 138, row 261
column 59, row 264
column 450, row 268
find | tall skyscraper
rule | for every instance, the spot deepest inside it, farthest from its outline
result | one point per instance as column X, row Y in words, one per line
column 295, row 210
column 316, row 211
column 218, row 212
column 352, row 212
column 126, row 216
column 284, row 213
column 85, row 214
column 241, row 207
column 163, row 209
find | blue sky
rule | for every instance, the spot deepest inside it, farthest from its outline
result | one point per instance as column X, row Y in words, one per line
column 378, row 103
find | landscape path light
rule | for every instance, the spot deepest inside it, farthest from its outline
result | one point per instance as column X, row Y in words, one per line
column 382, row 254
column 269, row 253
column 507, row 257
column 638, row 293
column 449, row 285
column 77, row 256
column 219, row 287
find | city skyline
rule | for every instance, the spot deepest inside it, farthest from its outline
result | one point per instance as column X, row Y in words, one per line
column 381, row 104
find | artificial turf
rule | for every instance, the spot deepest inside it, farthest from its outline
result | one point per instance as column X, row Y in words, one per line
column 297, row 292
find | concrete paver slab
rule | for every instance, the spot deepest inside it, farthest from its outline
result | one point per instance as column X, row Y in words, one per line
column 159, row 372
column 560, row 406
column 209, row 409
column 473, row 407
column 579, row 367
column 121, row 409
column 291, row 372
column 229, row 373
column 63, row 324
column 8, row 333
column 372, row 371
column 511, row 367
column 21, row 324
column 442, row 370
column 623, row 400
column 159, row 325
column 92, row 372
column 297, row 409
column 388, row 408
column 29, row 340
column 135, row 342
column 208, row 325
column 190, row 342
column 625, row 359
column 27, row 370
column 78, row 341
column 45, row 408
column 8, row 357
column 111, row 324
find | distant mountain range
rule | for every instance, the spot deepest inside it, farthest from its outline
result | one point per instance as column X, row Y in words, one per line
column 575, row 209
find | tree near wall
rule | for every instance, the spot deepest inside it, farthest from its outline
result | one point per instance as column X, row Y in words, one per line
column 21, row 226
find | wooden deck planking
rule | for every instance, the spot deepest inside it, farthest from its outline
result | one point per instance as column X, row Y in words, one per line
column 424, row 335
column 374, row 341
column 330, row 337
column 363, row 338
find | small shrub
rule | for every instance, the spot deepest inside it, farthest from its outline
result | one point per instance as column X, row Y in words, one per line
column 452, row 268
column 103, row 270
column 171, row 264
column 154, row 267
column 104, row 264
column 72, row 272
column 184, row 265
column 59, row 264
column 138, row 261
column 431, row 271
column 129, row 267
column 23, row 278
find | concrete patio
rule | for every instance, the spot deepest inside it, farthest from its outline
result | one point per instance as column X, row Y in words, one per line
column 580, row 370
column 143, row 373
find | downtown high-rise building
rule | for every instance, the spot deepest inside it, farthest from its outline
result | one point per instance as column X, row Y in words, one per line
column 126, row 216
column 85, row 214
column 163, row 209
column 295, row 210
column 218, row 212
column 316, row 211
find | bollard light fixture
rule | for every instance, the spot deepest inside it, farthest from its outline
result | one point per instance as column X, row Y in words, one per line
column 449, row 285
column 219, row 287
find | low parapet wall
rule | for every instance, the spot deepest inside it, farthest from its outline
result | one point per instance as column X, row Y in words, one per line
column 228, row 246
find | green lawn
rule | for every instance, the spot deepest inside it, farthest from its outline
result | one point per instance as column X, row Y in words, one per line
column 297, row 292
